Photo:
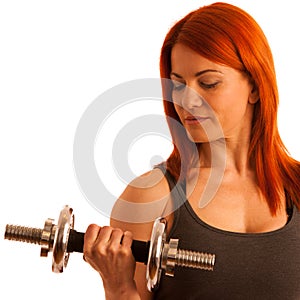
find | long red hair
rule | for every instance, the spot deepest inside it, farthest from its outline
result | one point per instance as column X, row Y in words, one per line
column 225, row 34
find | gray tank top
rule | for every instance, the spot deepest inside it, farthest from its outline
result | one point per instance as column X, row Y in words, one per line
column 248, row 265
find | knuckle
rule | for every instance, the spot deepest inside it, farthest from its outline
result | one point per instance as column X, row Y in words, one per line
column 106, row 228
column 113, row 250
column 125, row 252
column 117, row 231
column 100, row 251
column 91, row 229
column 128, row 234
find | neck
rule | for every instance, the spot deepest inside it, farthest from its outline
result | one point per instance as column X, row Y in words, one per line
column 223, row 156
column 229, row 153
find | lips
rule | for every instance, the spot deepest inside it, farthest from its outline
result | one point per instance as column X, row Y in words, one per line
column 194, row 120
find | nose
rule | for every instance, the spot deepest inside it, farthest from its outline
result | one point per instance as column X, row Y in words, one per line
column 191, row 99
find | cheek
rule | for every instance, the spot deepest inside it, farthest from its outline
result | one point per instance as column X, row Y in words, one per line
column 233, row 114
column 230, row 106
column 179, row 111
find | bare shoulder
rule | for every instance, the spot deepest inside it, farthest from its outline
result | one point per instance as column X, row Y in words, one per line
column 148, row 187
column 142, row 201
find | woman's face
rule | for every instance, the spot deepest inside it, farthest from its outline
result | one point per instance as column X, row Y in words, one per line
column 209, row 97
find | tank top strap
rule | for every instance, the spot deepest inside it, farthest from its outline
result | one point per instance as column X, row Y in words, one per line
column 178, row 197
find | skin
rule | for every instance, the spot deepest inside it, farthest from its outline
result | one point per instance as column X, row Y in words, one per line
column 238, row 204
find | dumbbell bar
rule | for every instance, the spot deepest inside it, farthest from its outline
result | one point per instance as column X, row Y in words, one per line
column 157, row 254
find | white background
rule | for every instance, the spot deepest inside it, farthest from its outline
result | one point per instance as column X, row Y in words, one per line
column 56, row 57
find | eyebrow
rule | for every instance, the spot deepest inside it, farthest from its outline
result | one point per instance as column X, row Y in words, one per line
column 198, row 73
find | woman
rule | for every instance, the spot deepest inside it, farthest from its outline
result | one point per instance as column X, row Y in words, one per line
column 251, row 222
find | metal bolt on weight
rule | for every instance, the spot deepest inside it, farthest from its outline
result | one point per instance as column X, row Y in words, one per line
column 157, row 254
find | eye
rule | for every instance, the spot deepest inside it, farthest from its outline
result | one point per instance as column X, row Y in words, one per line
column 208, row 86
column 178, row 86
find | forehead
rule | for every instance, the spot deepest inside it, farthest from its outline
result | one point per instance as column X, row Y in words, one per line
column 186, row 60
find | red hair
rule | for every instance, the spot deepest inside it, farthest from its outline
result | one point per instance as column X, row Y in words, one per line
column 225, row 34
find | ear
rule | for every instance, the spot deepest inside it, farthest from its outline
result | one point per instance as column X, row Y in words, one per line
column 254, row 95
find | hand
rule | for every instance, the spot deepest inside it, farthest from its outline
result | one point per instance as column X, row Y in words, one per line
column 108, row 251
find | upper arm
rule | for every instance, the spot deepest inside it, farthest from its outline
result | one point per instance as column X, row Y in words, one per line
column 139, row 205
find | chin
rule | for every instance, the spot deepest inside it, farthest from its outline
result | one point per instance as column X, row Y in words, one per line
column 197, row 138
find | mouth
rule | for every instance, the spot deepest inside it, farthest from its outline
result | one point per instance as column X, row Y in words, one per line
column 194, row 120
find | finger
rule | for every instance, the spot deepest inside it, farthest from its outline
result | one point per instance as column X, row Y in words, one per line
column 116, row 238
column 104, row 235
column 90, row 236
column 127, row 239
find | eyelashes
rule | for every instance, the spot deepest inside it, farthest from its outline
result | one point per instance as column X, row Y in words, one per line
column 209, row 85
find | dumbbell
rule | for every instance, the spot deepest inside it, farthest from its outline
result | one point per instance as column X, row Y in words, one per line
column 157, row 254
